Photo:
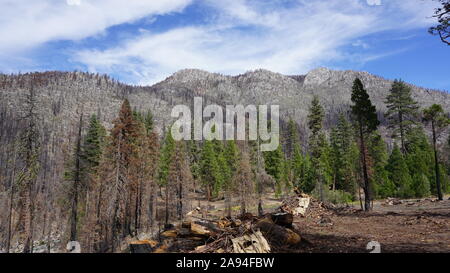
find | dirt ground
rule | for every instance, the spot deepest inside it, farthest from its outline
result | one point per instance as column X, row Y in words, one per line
column 414, row 226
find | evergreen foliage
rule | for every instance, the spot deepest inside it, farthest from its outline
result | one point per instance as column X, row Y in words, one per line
column 402, row 111
column 366, row 121
column 399, row 174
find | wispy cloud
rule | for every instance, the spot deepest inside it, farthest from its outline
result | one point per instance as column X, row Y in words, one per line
column 25, row 24
column 286, row 36
column 245, row 35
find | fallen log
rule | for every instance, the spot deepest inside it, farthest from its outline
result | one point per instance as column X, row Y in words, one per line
column 199, row 229
column 277, row 235
column 251, row 243
column 283, row 219
column 170, row 233
column 144, row 246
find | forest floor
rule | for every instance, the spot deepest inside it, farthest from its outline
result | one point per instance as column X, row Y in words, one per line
column 412, row 226
column 419, row 225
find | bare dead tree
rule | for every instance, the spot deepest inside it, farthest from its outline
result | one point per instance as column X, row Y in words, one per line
column 29, row 153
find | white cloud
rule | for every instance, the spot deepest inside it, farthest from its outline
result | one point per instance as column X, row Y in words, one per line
column 73, row 2
column 25, row 24
column 374, row 2
column 286, row 40
column 286, row 36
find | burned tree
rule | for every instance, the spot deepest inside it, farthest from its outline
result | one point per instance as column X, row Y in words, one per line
column 29, row 153
column 244, row 180
column 179, row 184
column 74, row 175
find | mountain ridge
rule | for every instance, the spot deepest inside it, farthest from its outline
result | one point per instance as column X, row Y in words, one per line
column 292, row 92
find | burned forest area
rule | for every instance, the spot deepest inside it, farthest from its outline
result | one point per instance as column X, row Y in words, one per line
column 90, row 165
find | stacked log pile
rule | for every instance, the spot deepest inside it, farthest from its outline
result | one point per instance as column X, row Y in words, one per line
column 245, row 234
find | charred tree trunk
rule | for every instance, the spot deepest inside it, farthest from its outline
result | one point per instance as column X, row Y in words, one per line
column 28, row 210
column 76, row 185
column 436, row 163
column 11, row 202
column 180, row 201
column 228, row 203
column 166, row 221
column 366, row 185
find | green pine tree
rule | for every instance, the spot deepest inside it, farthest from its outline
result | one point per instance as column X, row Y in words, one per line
column 343, row 156
column 420, row 161
column 322, row 168
column 436, row 118
column 166, row 154
column 231, row 155
column 366, row 121
column 402, row 111
column 275, row 167
column 291, row 139
column 315, row 117
column 307, row 181
column 297, row 164
column 399, row 174
column 382, row 186
column 209, row 166
column 321, row 171
column 93, row 144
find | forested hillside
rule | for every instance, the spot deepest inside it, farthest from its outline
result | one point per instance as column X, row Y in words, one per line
column 86, row 158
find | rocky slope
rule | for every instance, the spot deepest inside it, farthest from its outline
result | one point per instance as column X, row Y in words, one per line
column 63, row 96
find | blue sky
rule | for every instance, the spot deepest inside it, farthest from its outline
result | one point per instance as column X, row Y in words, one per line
column 145, row 41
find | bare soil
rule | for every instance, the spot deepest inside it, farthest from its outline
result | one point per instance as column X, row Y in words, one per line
column 414, row 226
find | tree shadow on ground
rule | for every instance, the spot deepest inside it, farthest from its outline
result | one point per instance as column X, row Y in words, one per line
column 320, row 243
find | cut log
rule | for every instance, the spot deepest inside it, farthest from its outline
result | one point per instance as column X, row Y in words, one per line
column 251, row 243
column 283, row 219
column 198, row 229
column 170, row 233
column 144, row 246
column 205, row 227
column 277, row 235
column 292, row 237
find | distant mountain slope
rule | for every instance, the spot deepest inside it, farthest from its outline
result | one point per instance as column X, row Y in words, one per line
column 63, row 95
column 292, row 93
